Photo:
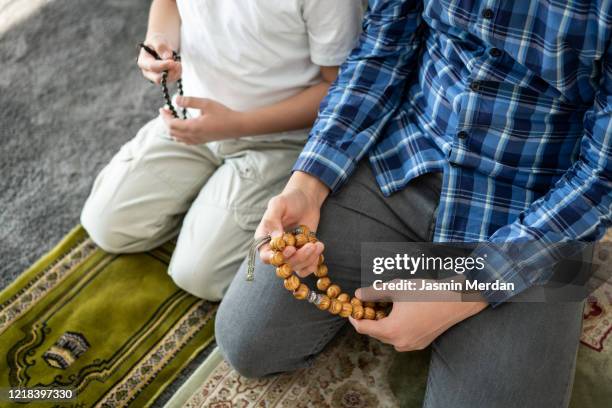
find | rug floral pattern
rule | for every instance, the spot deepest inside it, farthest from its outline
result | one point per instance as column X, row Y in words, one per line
column 354, row 378
column 353, row 371
column 594, row 367
column 597, row 323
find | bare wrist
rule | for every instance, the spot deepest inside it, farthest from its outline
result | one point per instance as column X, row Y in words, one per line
column 310, row 185
column 156, row 38
column 241, row 124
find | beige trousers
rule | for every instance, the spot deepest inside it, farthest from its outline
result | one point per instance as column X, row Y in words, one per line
column 213, row 195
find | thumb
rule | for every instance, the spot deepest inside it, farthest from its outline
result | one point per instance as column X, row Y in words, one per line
column 191, row 102
column 370, row 294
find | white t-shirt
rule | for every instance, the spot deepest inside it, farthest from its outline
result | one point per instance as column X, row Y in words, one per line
column 251, row 53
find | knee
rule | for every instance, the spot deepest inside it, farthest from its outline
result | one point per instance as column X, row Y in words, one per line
column 104, row 228
column 201, row 279
column 242, row 343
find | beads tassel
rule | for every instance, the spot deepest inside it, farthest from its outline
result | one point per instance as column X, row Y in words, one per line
column 257, row 243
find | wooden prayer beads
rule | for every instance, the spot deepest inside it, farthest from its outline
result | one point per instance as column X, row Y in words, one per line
column 301, row 292
column 369, row 313
column 289, row 239
column 333, row 291
column 347, row 310
column 336, row 306
column 278, row 243
column 300, row 240
column 323, row 283
column 321, row 271
column 324, row 302
column 357, row 312
column 333, row 299
column 292, row 283
column 284, row 271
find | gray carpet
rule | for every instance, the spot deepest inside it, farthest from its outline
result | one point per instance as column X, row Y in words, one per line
column 70, row 96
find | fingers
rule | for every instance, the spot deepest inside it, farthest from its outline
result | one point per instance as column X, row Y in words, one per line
column 289, row 251
column 166, row 116
column 370, row 294
column 265, row 253
column 306, row 259
column 382, row 329
column 303, row 261
column 164, row 50
column 152, row 69
column 271, row 224
column 150, row 64
column 192, row 102
column 170, row 121
column 289, row 209
column 379, row 329
column 175, row 72
column 179, row 129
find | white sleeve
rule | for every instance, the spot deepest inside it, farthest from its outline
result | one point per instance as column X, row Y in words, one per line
column 333, row 29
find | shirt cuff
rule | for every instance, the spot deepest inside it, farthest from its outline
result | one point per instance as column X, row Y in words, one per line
column 501, row 275
column 326, row 162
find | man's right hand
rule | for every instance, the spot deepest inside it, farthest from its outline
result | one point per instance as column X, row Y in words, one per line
column 151, row 68
column 299, row 203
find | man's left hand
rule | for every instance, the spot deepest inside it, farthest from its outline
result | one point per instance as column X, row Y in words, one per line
column 216, row 121
column 413, row 325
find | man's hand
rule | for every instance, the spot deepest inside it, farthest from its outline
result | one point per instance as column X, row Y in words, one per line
column 216, row 122
column 151, row 68
column 299, row 203
column 413, row 325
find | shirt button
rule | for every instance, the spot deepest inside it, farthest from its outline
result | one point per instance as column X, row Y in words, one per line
column 487, row 14
column 495, row 52
column 462, row 135
column 474, row 86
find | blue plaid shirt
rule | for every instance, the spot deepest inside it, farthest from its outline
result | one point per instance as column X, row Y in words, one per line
column 511, row 100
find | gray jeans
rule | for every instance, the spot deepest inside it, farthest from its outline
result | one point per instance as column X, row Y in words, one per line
column 519, row 354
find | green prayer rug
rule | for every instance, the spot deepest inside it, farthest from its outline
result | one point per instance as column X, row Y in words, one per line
column 113, row 328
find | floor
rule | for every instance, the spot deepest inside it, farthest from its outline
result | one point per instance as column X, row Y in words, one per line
column 70, row 96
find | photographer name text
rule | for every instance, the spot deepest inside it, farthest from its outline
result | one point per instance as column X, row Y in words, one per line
column 452, row 285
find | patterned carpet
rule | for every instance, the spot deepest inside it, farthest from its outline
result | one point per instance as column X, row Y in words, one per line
column 350, row 373
column 75, row 320
column 358, row 372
